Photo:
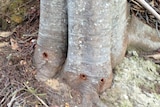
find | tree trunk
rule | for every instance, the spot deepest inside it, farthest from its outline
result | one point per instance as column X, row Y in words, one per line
column 89, row 43
column 50, row 52
column 143, row 37
column 97, row 41
column 119, row 38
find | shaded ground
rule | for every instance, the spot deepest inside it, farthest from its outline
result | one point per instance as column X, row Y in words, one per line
column 136, row 80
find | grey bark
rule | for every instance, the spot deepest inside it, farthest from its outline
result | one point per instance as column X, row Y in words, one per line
column 98, row 36
column 142, row 36
column 119, row 38
column 50, row 52
column 89, row 28
column 97, row 40
column 89, row 43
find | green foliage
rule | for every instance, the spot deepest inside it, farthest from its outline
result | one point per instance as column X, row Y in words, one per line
column 126, row 103
column 13, row 13
column 17, row 11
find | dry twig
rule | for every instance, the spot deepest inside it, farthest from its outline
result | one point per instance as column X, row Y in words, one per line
column 149, row 8
column 30, row 90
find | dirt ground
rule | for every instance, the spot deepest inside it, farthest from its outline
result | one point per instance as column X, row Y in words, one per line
column 18, row 86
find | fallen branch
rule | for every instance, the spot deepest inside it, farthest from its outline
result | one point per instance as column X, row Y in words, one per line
column 149, row 8
column 13, row 99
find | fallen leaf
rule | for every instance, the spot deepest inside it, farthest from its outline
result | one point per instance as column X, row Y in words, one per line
column 53, row 83
column 23, row 62
column 3, row 44
column 5, row 34
column 14, row 44
column 67, row 105
column 155, row 56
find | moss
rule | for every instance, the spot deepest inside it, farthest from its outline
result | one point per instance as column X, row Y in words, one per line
column 17, row 18
column 3, row 24
column 13, row 13
column 126, row 103
column 17, row 10
column 138, row 81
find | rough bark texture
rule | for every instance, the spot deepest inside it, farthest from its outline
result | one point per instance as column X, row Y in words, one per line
column 51, row 45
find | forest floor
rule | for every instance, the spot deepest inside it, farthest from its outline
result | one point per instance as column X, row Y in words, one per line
column 136, row 80
column 18, row 86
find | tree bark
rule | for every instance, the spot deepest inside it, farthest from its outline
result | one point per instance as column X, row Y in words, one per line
column 51, row 47
column 143, row 37
column 97, row 41
column 119, row 36
column 89, row 42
